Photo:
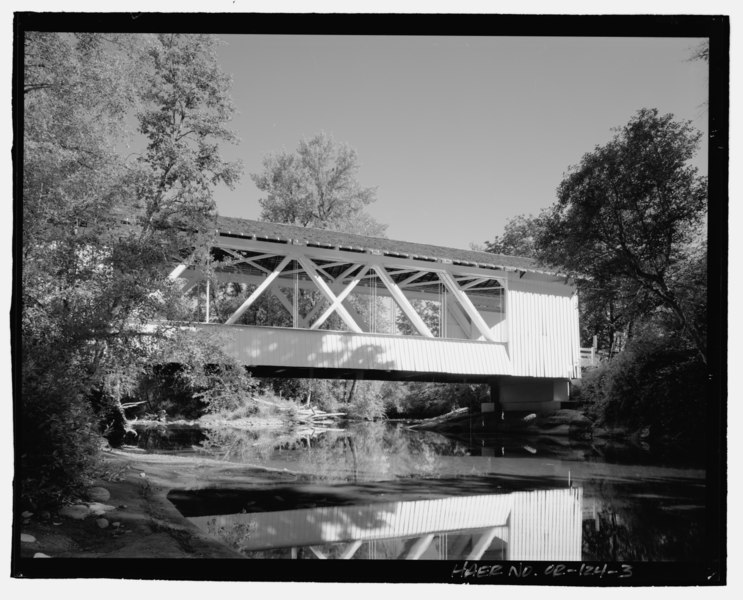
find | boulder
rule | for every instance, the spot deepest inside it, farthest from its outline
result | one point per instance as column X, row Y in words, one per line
column 98, row 494
column 41, row 555
column 27, row 538
column 102, row 523
column 98, row 509
column 75, row 511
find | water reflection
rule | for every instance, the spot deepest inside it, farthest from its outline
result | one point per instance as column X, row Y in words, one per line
column 633, row 509
column 535, row 525
column 363, row 452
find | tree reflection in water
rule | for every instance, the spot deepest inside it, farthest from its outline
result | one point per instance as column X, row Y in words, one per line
column 641, row 530
column 364, row 452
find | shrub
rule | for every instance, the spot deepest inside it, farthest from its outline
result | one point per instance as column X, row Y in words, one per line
column 59, row 441
column 654, row 383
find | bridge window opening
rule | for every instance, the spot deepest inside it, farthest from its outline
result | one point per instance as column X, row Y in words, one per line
column 343, row 295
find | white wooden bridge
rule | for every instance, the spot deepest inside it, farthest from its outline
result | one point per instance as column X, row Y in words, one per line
column 293, row 301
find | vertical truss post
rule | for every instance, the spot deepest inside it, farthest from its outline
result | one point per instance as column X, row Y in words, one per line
column 295, row 302
column 208, row 289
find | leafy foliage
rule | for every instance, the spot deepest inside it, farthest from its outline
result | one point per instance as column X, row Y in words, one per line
column 100, row 232
column 185, row 115
column 651, row 384
column 519, row 238
column 629, row 225
column 629, row 212
column 317, row 187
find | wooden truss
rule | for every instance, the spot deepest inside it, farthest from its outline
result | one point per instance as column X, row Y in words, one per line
column 335, row 274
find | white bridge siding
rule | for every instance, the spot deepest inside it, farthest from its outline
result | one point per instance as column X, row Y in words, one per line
column 304, row 348
column 543, row 329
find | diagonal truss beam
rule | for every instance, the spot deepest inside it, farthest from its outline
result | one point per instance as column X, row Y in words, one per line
column 473, row 283
column 176, row 273
column 190, row 284
column 360, row 320
column 403, row 302
column 339, row 299
column 483, row 543
column 319, row 553
column 309, row 268
column 460, row 318
column 346, row 273
column 421, row 283
column 467, row 305
column 419, row 547
column 250, row 260
column 412, row 278
column 336, row 287
column 258, row 291
column 351, row 549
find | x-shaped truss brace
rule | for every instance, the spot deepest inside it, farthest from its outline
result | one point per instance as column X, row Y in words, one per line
column 337, row 295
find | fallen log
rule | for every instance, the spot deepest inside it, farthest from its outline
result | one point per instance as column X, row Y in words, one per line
column 435, row 422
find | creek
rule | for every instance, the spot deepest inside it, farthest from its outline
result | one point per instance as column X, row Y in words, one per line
column 384, row 491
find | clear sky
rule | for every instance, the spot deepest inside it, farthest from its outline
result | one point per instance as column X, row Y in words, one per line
column 458, row 134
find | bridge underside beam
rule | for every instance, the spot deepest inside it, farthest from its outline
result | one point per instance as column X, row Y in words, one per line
column 365, row 374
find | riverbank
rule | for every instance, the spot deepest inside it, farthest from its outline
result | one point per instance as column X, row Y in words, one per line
column 137, row 520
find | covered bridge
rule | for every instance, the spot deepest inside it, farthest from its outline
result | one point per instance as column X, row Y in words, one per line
column 302, row 302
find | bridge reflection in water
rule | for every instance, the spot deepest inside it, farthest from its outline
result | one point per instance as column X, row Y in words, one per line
column 535, row 525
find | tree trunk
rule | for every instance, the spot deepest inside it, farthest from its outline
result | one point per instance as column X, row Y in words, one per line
column 350, row 394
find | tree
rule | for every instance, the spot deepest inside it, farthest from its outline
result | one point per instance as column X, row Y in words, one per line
column 184, row 118
column 519, row 237
column 317, row 187
column 630, row 212
column 101, row 232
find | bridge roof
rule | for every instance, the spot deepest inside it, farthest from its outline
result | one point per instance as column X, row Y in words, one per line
column 262, row 230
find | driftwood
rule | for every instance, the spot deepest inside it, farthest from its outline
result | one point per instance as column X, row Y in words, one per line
column 132, row 404
column 314, row 416
column 436, row 422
